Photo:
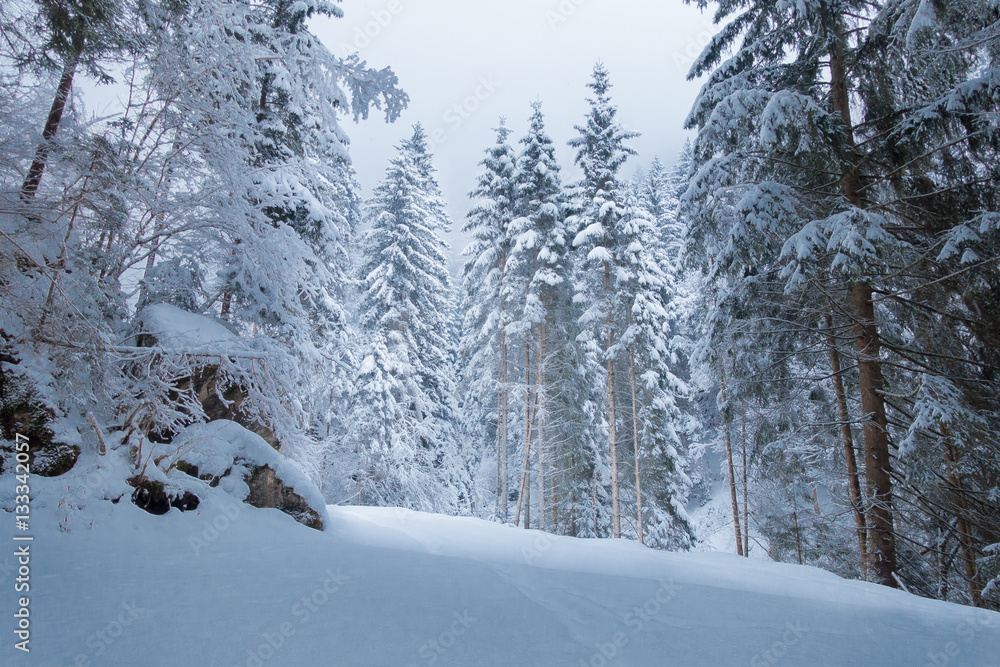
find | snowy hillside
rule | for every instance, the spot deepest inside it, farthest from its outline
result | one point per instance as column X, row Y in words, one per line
column 395, row 587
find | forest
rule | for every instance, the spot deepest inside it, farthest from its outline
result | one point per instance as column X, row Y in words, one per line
column 803, row 306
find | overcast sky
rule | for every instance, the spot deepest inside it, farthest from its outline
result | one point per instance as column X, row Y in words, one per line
column 465, row 63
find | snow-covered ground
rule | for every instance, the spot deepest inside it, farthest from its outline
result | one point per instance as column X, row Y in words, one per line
column 232, row 585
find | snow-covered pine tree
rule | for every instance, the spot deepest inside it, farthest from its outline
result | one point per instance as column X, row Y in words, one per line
column 651, row 348
column 539, row 269
column 834, row 131
column 601, row 152
column 403, row 416
column 483, row 348
column 931, row 123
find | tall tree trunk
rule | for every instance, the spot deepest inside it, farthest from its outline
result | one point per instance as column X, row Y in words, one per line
column 553, row 500
column 635, row 438
column 732, row 472
column 524, row 493
column 962, row 524
column 34, row 176
column 527, row 493
column 501, row 481
column 616, row 517
column 505, row 424
column 502, row 402
column 540, row 378
column 527, row 432
column 496, row 482
column 593, row 500
column 798, row 532
column 497, row 490
column 878, row 480
column 847, row 439
column 746, row 492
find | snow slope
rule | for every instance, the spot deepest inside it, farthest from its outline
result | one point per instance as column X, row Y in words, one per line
column 394, row 587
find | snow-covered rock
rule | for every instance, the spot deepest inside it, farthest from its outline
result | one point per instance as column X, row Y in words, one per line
column 176, row 329
column 227, row 455
column 213, row 351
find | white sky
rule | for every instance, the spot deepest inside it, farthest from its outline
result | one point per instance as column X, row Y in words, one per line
column 526, row 50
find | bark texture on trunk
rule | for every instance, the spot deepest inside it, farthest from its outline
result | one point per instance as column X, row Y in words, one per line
column 635, row 444
column 963, row 526
column 616, row 516
column 746, row 493
column 847, row 438
column 732, row 474
column 34, row 176
column 878, row 470
column 878, row 480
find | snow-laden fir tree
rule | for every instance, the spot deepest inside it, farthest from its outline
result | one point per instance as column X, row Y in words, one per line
column 856, row 139
column 601, row 153
column 651, row 347
column 483, row 348
column 538, row 297
column 403, row 415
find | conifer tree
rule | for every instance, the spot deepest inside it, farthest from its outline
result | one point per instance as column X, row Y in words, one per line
column 403, row 416
column 650, row 346
column 483, row 348
column 837, row 145
column 601, row 152
column 539, row 267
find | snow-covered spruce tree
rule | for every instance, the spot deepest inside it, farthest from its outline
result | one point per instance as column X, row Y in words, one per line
column 651, row 347
column 483, row 347
column 657, row 193
column 854, row 192
column 539, row 293
column 601, row 152
column 933, row 96
column 280, row 100
column 763, row 123
column 403, row 415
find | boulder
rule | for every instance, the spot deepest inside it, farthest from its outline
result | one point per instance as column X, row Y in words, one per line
column 22, row 413
column 225, row 454
column 176, row 330
column 157, row 498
